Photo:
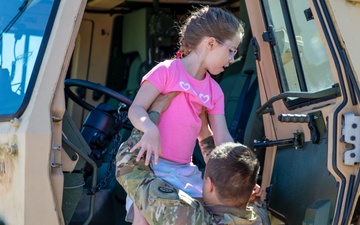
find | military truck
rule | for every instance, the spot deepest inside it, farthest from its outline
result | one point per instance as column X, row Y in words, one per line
column 70, row 69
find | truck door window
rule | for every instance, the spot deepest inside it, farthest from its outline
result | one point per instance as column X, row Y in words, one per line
column 302, row 62
column 22, row 40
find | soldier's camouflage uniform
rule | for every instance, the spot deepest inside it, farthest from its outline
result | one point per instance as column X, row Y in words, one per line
column 163, row 204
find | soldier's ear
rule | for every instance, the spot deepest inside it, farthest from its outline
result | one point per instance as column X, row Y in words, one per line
column 209, row 184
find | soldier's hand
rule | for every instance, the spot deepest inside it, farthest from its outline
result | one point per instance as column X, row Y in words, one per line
column 205, row 130
column 256, row 192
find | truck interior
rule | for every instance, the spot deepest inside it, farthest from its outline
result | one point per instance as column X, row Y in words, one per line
column 141, row 35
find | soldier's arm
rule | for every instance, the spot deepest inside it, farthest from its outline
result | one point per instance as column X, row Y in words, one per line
column 205, row 138
column 129, row 173
column 158, row 201
column 125, row 164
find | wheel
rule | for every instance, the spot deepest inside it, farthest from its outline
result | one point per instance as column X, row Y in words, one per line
column 92, row 86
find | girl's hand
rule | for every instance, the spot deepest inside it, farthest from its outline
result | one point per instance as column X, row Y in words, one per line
column 149, row 143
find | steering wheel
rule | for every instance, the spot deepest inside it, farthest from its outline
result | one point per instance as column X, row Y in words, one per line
column 92, row 86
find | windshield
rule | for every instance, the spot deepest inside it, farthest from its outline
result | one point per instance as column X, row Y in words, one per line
column 22, row 35
column 303, row 65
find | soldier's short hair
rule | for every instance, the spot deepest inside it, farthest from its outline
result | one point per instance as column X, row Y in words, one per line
column 233, row 168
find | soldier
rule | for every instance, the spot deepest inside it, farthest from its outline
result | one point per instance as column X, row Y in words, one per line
column 229, row 178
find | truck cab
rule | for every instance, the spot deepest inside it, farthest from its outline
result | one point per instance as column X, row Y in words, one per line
column 70, row 69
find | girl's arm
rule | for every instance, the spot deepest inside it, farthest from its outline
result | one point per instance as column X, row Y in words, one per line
column 150, row 141
column 219, row 128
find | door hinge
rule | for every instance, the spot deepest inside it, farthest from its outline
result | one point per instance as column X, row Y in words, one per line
column 269, row 35
column 256, row 48
column 350, row 136
column 308, row 14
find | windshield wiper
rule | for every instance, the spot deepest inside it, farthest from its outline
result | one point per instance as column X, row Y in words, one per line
column 22, row 8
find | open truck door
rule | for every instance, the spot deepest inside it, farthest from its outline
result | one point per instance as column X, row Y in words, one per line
column 37, row 40
column 308, row 63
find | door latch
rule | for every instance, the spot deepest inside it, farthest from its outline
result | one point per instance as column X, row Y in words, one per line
column 297, row 141
column 301, row 118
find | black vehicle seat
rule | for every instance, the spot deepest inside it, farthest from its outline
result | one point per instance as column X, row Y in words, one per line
column 232, row 84
column 250, row 125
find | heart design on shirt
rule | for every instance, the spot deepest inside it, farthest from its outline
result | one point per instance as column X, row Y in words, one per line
column 184, row 85
column 204, row 98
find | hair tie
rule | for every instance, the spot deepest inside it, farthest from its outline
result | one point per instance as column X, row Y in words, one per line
column 179, row 55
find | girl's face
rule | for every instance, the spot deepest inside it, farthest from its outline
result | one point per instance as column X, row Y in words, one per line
column 222, row 54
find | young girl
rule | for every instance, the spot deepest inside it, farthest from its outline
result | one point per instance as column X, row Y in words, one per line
column 208, row 42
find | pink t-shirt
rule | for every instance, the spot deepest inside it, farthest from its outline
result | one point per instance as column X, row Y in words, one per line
column 180, row 124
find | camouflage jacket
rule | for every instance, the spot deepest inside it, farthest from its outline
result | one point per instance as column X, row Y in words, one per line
column 161, row 203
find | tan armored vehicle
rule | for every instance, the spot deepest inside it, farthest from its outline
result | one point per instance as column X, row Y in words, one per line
column 292, row 95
